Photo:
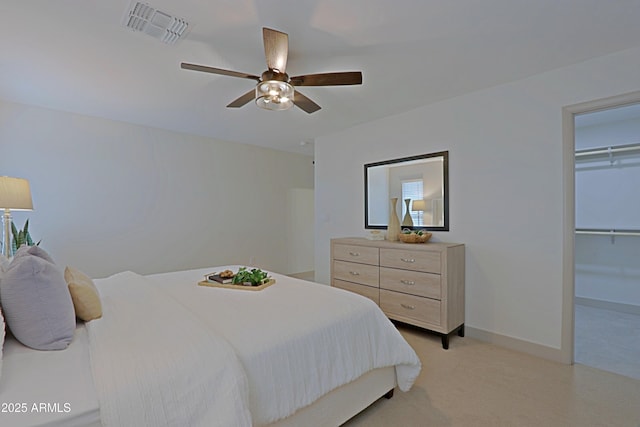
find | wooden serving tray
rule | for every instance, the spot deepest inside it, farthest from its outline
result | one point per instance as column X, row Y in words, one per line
column 232, row 286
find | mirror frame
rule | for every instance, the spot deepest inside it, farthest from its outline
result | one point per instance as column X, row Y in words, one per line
column 445, row 183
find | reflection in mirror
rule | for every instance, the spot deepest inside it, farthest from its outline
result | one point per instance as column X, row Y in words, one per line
column 420, row 183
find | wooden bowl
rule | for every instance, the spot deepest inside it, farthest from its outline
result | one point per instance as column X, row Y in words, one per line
column 414, row 238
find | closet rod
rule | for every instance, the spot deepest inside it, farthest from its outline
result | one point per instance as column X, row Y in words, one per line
column 607, row 232
column 608, row 150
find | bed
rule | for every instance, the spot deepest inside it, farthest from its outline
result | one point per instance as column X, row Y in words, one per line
column 169, row 352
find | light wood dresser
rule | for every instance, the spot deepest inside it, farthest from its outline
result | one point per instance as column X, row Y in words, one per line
column 421, row 284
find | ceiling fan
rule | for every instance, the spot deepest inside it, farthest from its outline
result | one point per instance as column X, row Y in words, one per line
column 275, row 89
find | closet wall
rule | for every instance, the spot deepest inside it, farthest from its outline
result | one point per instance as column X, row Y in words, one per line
column 608, row 198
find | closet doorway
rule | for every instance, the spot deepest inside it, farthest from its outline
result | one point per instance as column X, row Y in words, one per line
column 607, row 240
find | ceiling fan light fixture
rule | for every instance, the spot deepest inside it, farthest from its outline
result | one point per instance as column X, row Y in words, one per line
column 274, row 95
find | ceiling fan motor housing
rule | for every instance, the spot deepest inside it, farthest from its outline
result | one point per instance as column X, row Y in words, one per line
column 274, row 75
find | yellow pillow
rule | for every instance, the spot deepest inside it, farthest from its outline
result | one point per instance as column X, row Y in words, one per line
column 86, row 300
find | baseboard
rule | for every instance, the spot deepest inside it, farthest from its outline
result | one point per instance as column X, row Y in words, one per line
column 608, row 305
column 516, row 344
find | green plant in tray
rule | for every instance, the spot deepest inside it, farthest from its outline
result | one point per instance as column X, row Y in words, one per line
column 254, row 277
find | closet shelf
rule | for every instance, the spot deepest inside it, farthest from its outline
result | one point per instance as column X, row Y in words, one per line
column 607, row 232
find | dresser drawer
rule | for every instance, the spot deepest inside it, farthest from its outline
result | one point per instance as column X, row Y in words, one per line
column 409, row 308
column 361, row 254
column 411, row 282
column 410, row 260
column 357, row 273
column 366, row 291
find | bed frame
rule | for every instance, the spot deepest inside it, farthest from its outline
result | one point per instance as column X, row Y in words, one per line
column 340, row 405
column 343, row 403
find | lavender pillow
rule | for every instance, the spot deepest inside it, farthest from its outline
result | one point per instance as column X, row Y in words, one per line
column 36, row 302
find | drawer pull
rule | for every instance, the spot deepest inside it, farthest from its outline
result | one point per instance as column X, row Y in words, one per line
column 354, row 253
column 408, row 282
column 354, row 273
column 408, row 307
column 409, row 260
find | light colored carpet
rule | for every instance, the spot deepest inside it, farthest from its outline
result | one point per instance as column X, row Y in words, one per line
column 474, row 384
column 608, row 340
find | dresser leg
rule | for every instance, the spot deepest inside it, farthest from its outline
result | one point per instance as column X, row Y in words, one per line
column 445, row 341
column 389, row 394
column 461, row 331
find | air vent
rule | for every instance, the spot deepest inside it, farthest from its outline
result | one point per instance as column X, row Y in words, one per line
column 160, row 25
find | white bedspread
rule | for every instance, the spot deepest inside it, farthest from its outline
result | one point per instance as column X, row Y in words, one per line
column 155, row 364
column 169, row 352
column 297, row 340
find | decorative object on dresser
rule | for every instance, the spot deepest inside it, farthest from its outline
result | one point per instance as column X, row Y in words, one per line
column 422, row 285
column 393, row 228
column 414, row 236
column 407, row 221
column 375, row 235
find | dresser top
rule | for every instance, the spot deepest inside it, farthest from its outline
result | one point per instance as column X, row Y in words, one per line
column 428, row 246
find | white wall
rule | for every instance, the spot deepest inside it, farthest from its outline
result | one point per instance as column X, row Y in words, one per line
column 607, row 197
column 506, row 187
column 300, row 221
column 111, row 196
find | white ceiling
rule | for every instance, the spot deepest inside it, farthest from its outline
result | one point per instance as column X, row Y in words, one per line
column 76, row 55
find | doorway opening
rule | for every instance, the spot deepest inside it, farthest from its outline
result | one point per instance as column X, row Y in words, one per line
column 603, row 284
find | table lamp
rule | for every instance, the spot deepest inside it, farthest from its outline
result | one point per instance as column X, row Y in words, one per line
column 15, row 194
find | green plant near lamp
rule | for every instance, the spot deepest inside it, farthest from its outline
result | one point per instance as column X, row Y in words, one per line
column 21, row 237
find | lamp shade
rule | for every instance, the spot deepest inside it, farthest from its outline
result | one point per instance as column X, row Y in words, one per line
column 419, row 205
column 15, row 194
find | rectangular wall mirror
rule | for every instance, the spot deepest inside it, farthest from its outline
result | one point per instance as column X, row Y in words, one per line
column 420, row 183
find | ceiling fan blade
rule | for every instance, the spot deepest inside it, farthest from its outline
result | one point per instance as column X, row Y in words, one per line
column 328, row 79
column 244, row 99
column 213, row 70
column 276, row 49
column 305, row 103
